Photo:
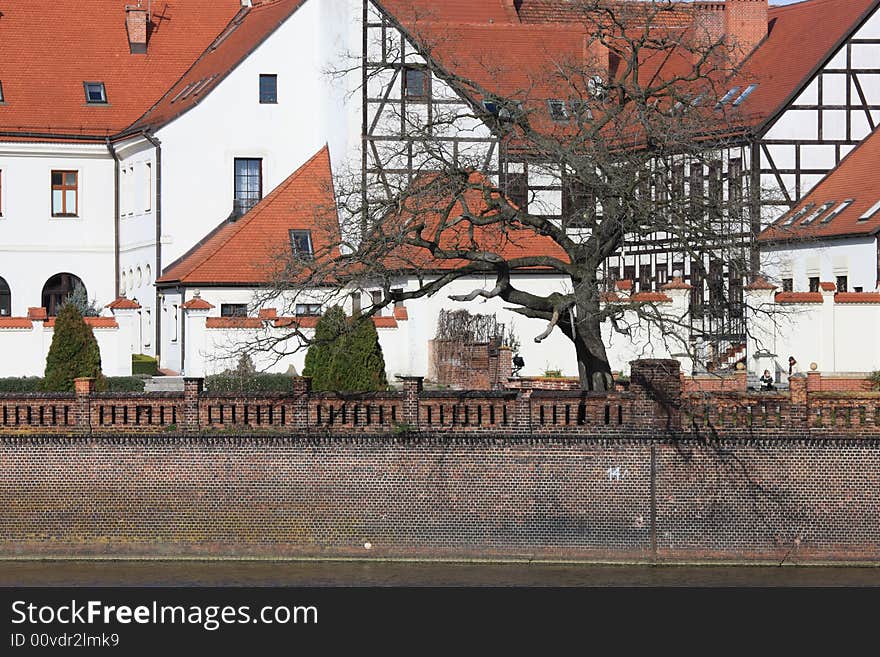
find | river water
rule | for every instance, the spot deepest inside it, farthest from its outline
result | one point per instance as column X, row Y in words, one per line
column 365, row 573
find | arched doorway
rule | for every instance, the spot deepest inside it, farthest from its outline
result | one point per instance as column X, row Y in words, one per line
column 5, row 298
column 57, row 289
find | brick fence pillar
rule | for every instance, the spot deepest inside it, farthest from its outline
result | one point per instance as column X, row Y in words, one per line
column 192, row 391
column 656, row 384
column 412, row 390
column 797, row 388
column 814, row 381
column 84, row 388
column 523, row 420
column 302, row 389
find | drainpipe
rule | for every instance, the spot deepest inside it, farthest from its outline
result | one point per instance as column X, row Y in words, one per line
column 158, row 210
column 115, row 217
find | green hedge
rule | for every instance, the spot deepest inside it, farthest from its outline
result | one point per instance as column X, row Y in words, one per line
column 143, row 364
column 21, row 384
column 34, row 384
column 250, row 383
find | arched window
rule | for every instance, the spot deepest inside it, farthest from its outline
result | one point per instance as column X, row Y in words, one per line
column 57, row 289
column 5, row 298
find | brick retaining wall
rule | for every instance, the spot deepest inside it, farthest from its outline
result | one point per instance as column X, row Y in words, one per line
column 443, row 497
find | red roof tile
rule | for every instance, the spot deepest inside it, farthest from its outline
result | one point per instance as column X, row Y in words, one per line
column 252, row 248
column 197, row 304
column 401, row 314
column 827, row 287
column 15, row 323
column 37, row 314
column 649, row 297
column 94, row 322
column 48, row 48
column 854, row 178
column 760, row 284
column 308, row 322
column 799, row 297
column 122, row 303
column 857, row 297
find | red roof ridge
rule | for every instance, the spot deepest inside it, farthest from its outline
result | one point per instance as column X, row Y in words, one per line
column 827, row 287
column 677, row 284
column 239, row 225
column 197, row 303
column 760, row 283
column 37, row 314
column 123, row 303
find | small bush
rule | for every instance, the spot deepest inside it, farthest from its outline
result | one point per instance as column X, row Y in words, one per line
column 254, row 383
column 21, row 384
column 125, row 384
column 143, row 364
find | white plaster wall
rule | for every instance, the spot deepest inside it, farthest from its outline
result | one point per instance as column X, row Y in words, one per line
column 34, row 245
column 855, row 258
column 25, row 350
column 199, row 148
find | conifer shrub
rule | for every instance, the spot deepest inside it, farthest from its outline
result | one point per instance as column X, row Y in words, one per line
column 345, row 355
column 74, row 353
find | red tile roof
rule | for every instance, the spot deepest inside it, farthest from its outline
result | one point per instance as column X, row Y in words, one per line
column 122, row 303
column 857, row 297
column 15, row 323
column 48, row 48
column 37, row 314
column 197, row 304
column 649, row 297
column 309, row 322
column 252, row 248
column 760, row 284
column 94, row 322
column 799, row 297
column 854, row 178
column 429, row 207
column 677, row 284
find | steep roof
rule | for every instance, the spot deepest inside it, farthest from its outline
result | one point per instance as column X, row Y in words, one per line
column 248, row 250
column 855, row 178
column 245, row 32
column 48, row 48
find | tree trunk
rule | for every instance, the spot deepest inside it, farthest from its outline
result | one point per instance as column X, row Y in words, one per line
column 593, row 367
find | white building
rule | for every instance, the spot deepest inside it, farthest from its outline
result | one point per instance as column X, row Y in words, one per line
column 161, row 127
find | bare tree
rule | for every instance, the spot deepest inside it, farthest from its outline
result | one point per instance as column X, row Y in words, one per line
column 626, row 113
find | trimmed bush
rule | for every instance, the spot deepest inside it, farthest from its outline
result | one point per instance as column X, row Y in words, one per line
column 125, row 384
column 21, row 384
column 74, row 352
column 143, row 364
column 253, row 383
column 345, row 355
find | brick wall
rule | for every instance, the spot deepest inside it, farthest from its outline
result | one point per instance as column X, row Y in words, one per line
column 436, row 496
column 470, row 366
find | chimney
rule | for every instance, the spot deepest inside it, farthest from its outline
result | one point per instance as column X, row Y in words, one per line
column 745, row 23
column 708, row 25
column 136, row 20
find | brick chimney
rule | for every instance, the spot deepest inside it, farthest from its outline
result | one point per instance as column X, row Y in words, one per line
column 136, row 21
column 708, row 22
column 745, row 23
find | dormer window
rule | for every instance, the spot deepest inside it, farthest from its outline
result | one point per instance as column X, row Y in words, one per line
column 745, row 94
column 726, row 98
column 822, row 209
column 557, row 110
column 840, row 208
column 95, row 93
column 301, row 244
column 799, row 214
column 874, row 209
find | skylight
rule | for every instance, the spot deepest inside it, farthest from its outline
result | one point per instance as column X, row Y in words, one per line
column 800, row 213
column 822, row 209
column 186, row 89
column 726, row 98
column 557, row 110
column 95, row 92
column 745, row 94
column 874, row 209
column 840, row 208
